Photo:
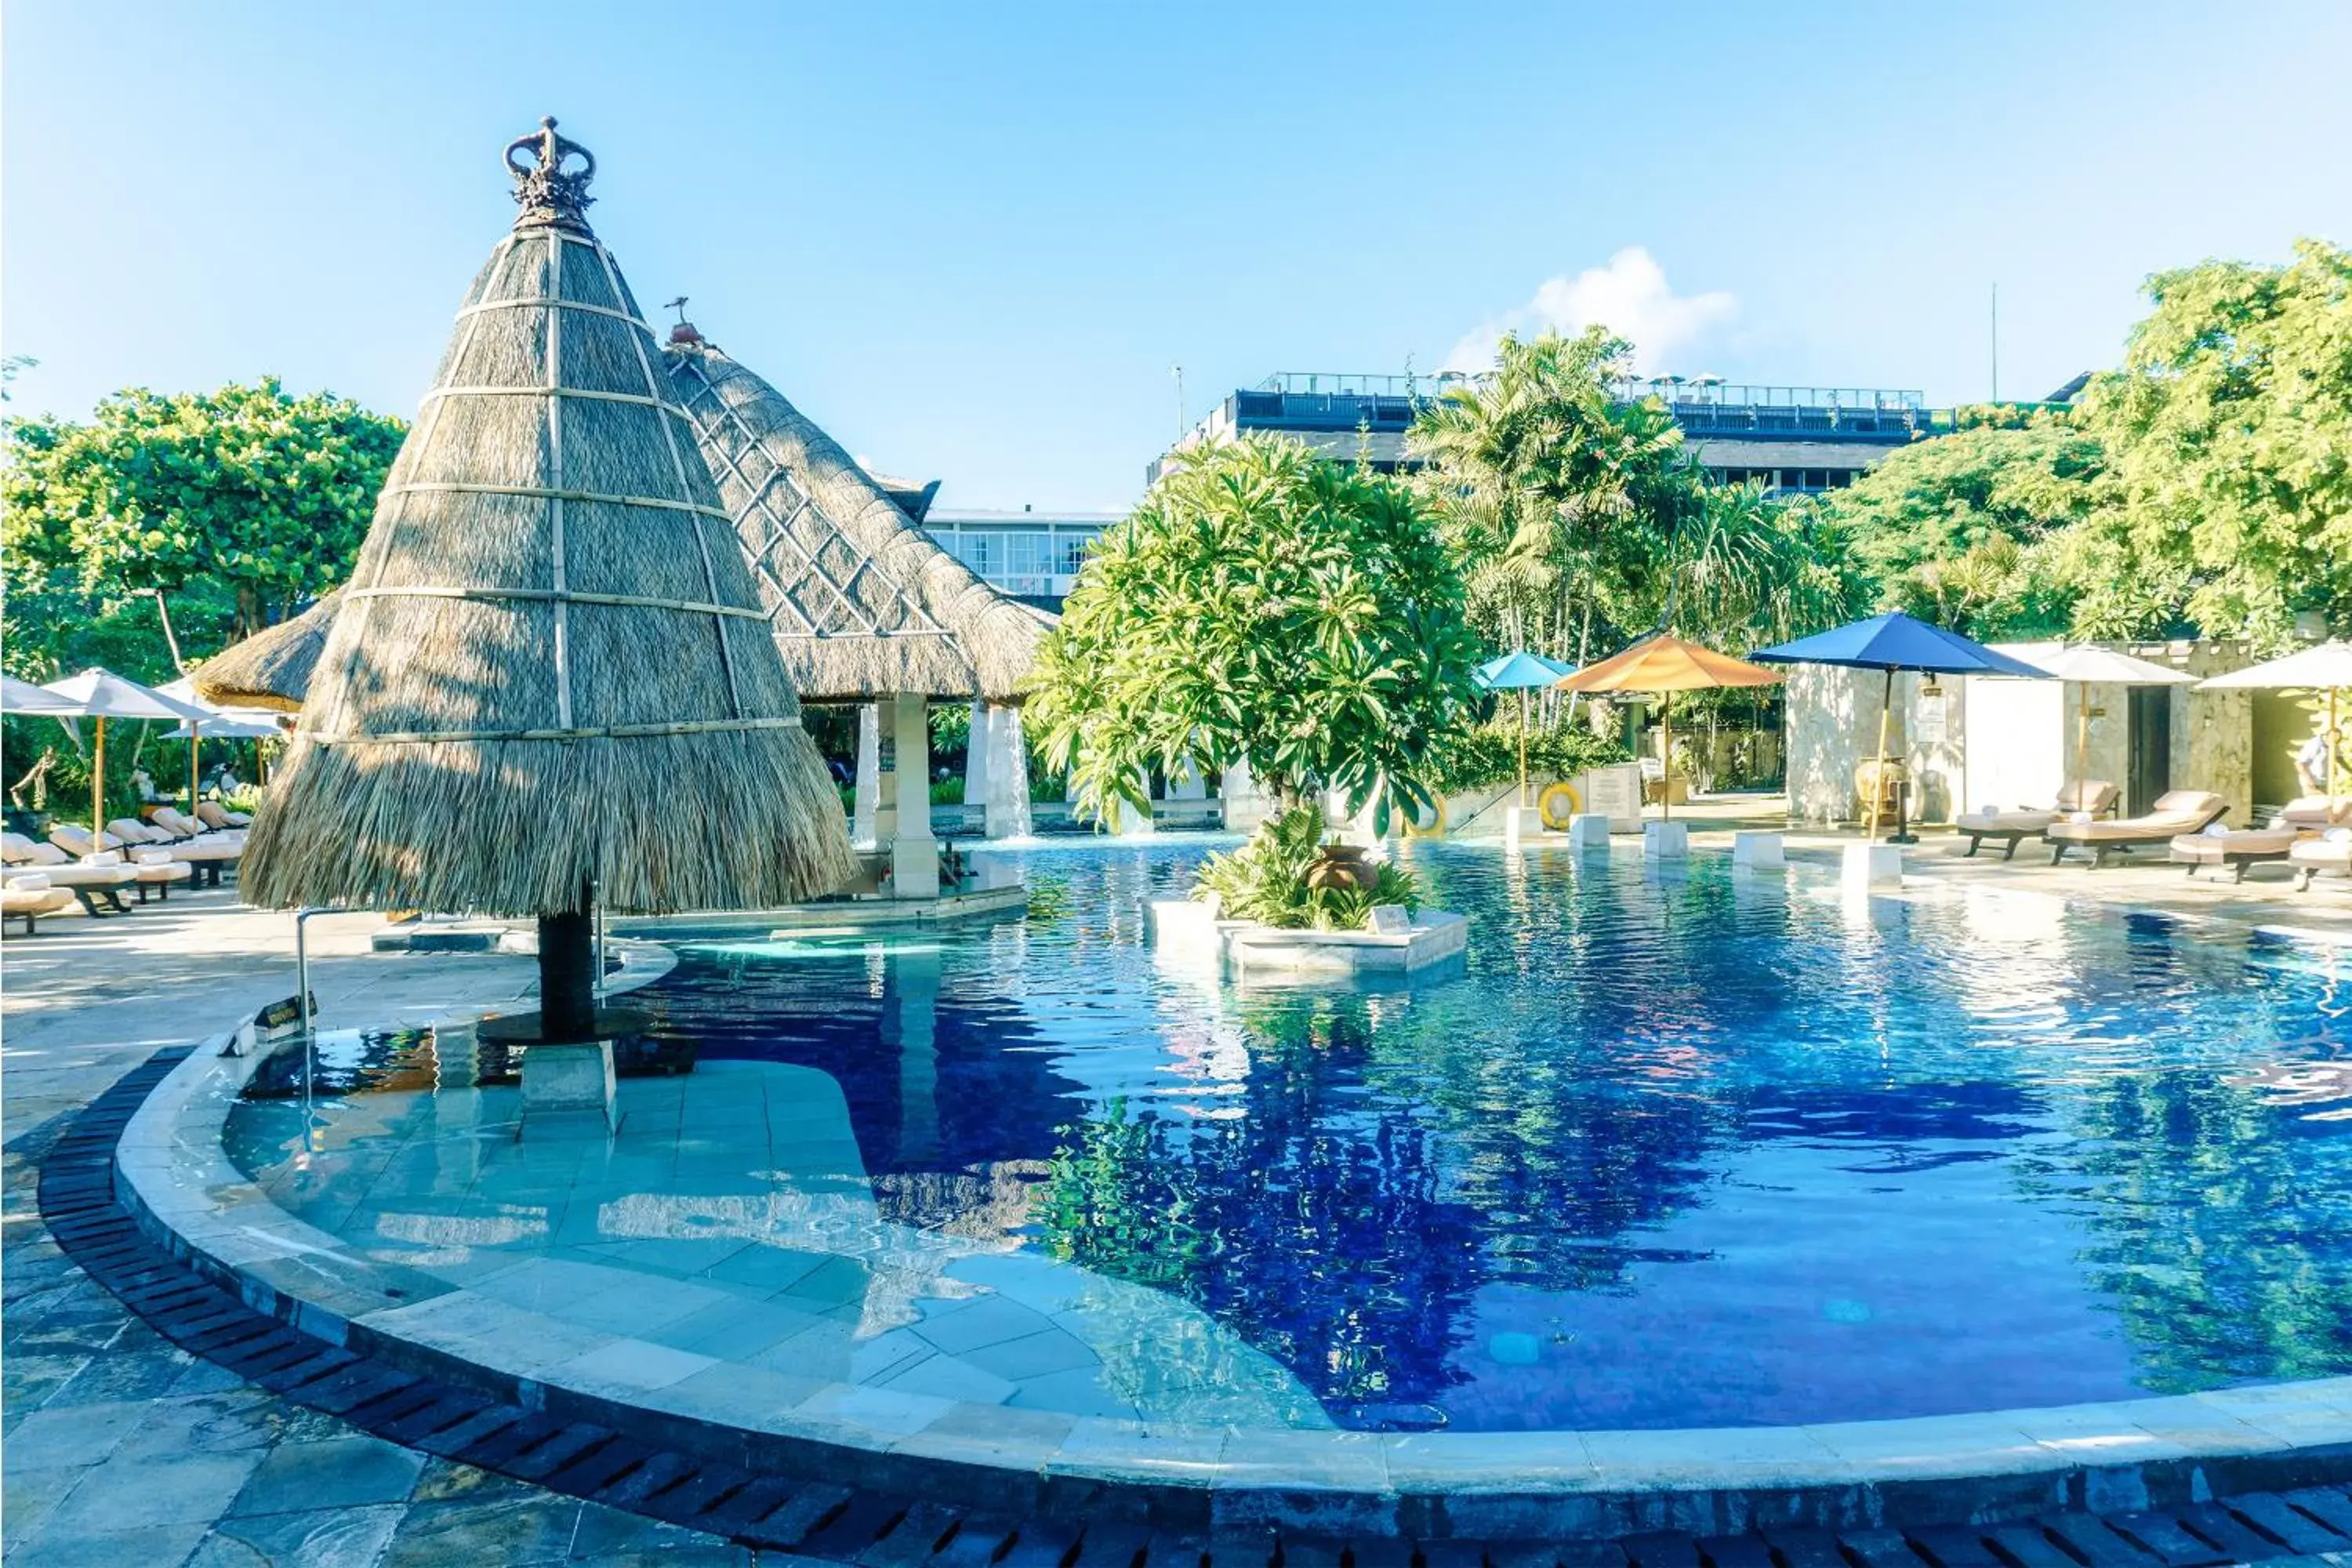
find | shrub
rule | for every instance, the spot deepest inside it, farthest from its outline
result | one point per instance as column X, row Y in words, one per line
column 1266, row 880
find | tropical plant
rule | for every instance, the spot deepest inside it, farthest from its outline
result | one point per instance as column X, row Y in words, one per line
column 2231, row 462
column 1584, row 521
column 1265, row 880
column 1260, row 607
column 1480, row 755
column 1557, row 496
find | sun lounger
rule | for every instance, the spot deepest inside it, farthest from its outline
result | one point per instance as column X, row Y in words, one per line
column 2182, row 811
column 28, row 896
column 2008, row 828
column 2316, row 813
column 2235, row 850
column 2329, row 852
column 174, row 821
column 100, row 888
column 212, row 813
column 206, row 857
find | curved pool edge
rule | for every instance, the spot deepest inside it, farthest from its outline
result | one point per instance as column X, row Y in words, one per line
column 177, row 1180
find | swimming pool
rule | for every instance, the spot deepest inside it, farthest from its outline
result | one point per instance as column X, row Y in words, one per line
column 1697, row 1149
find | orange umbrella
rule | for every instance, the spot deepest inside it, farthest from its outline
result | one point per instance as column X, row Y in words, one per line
column 1663, row 664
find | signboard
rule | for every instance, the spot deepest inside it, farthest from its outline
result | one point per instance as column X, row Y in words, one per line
column 1931, row 721
column 1614, row 792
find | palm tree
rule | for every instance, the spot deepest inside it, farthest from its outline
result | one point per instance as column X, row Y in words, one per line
column 1555, row 494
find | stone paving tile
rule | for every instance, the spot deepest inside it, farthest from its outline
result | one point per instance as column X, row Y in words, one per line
column 122, row 1450
column 155, row 1546
column 335, row 1472
column 310, row 1538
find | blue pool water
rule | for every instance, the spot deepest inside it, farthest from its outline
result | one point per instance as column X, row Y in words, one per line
column 1706, row 1150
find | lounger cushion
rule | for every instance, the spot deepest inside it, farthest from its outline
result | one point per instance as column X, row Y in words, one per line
column 2182, row 811
column 2216, row 850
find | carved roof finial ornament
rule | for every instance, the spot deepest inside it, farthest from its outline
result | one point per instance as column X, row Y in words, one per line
column 548, row 193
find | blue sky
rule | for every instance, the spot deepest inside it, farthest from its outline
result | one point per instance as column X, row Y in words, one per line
column 971, row 240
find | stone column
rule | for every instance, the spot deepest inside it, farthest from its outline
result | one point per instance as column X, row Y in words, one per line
column 1186, row 783
column 975, row 757
column 914, row 853
column 863, row 828
column 1132, row 820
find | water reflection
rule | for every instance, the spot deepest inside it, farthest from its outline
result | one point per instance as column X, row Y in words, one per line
column 1673, row 1151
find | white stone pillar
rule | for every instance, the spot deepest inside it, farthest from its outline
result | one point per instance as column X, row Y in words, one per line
column 914, row 853
column 1008, row 776
column 975, row 755
column 863, row 829
column 1245, row 807
column 1131, row 820
column 1186, row 783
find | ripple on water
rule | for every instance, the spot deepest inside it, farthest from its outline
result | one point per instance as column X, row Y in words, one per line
column 1671, row 1151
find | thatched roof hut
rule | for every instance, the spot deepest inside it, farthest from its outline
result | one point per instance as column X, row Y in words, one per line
column 550, row 669
column 272, row 667
column 864, row 603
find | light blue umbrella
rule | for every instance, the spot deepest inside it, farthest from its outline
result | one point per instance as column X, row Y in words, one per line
column 1522, row 672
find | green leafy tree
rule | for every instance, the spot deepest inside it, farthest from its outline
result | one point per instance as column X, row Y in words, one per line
column 1963, row 530
column 247, row 491
column 2229, row 431
column 232, row 504
column 1260, row 606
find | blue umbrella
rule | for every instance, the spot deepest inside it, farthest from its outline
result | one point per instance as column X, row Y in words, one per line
column 1522, row 672
column 1891, row 642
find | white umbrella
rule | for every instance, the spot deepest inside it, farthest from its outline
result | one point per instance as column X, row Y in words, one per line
column 24, row 697
column 2327, row 667
column 101, row 694
column 222, row 723
column 2086, row 663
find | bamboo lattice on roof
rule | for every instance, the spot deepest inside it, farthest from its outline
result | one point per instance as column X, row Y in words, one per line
column 550, row 668
column 863, row 602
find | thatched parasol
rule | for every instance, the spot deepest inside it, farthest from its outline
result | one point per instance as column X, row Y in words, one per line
column 864, row 603
column 550, row 673
column 272, row 667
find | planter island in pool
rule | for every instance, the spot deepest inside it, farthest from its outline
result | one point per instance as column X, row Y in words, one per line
column 1189, row 925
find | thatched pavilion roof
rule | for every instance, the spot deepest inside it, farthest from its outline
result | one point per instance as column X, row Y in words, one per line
column 550, row 668
column 272, row 667
column 864, row 603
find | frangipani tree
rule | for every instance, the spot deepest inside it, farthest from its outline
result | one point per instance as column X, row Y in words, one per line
column 1261, row 606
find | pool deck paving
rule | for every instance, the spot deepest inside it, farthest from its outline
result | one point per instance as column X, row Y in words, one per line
column 123, row 1446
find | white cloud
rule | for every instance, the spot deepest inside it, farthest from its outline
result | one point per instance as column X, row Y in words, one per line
column 1630, row 297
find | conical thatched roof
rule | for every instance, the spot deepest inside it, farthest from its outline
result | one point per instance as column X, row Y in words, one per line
column 864, row 603
column 550, row 668
column 272, row 667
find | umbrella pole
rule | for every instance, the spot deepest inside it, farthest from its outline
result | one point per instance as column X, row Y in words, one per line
column 2334, row 743
column 1666, row 744
column 2081, row 733
column 1878, row 783
column 194, row 742
column 98, row 787
column 1523, row 747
